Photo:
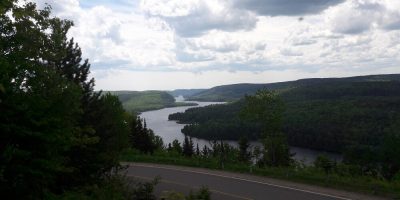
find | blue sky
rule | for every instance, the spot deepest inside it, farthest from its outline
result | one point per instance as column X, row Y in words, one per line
column 169, row 44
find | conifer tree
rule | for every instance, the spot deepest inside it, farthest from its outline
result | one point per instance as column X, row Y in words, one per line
column 176, row 146
column 188, row 147
column 197, row 150
column 244, row 154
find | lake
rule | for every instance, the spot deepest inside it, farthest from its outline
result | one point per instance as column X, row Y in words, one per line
column 157, row 120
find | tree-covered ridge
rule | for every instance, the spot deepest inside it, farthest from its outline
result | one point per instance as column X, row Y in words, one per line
column 325, row 116
column 236, row 91
column 186, row 93
column 359, row 119
column 147, row 100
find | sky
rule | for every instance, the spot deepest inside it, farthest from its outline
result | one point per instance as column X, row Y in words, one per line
column 176, row 44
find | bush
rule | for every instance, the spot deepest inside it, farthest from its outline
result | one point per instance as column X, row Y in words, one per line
column 116, row 188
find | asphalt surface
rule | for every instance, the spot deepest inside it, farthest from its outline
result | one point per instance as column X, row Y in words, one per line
column 229, row 185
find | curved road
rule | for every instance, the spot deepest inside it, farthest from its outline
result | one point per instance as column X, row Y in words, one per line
column 226, row 185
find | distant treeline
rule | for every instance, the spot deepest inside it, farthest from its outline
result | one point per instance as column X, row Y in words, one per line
column 140, row 101
column 234, row 92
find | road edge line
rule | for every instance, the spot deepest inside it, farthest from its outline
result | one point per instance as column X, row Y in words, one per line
column 242, row 179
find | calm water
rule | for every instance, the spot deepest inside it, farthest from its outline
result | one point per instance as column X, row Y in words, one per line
column 157, row 120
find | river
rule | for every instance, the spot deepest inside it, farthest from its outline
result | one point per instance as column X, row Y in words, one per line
column 157, row 120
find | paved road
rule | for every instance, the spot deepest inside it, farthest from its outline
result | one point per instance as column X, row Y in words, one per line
column 225, row 185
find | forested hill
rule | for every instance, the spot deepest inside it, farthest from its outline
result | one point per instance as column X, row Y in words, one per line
column 237, row 91
column 147, row 100
column 325, row 115
column 185, row 92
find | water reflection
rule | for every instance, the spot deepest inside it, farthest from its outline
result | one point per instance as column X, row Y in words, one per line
column 157, row 120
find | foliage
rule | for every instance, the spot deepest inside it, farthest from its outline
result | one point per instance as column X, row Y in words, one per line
column 144, row 191
column 176, row 146
column 142, row 138
column 244, row 154
column 56, row 132
column 188, row 147
column 202, row 194
column 115, row 187
column 267, row 109
column 323, row 162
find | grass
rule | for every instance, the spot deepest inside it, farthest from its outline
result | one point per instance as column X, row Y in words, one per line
column 308, row 175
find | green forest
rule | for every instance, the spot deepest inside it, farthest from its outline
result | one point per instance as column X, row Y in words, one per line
column 358, row 119
column 136, row 101
column 185, row 92
column 327, row 116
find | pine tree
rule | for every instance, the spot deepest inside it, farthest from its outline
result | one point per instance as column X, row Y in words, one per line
column 141, row 137
column 169, row 148
column 197, row 150
column 205, row 152
column 187, row 147
column 244, row 154
column 176, row 146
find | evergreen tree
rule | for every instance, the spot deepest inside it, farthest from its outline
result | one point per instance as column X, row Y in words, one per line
column 244, row 154
column 169, row 148
column 188, row 147
column 176, row 146
column 198, row 150
column 141, row 137
column 205, row 152
column 222, row 155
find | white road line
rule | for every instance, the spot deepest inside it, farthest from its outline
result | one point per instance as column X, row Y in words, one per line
column 242, row 179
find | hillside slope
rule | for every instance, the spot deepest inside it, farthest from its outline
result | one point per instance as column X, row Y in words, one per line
column 237, row 91
column 327, row 115
column 186, row 93
column 147, row 100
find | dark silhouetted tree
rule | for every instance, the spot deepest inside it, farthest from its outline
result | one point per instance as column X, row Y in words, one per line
column 188, row 148
column 244, row 153
column 176, row 146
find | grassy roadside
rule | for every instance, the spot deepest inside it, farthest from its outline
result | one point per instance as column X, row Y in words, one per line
column 303, row 174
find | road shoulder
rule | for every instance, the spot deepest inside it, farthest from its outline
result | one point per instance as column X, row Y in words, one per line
column 262, row 180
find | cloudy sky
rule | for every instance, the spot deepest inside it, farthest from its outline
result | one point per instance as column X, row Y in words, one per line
column 169, row 44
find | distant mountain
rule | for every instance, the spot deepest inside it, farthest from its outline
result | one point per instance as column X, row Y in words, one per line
column 237, row 91
column 185, row 92
column 147, row 100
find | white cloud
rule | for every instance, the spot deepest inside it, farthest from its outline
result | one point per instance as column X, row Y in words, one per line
column 159, row 44
column 286, row 7
column 191, row 18
column 358, row 16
